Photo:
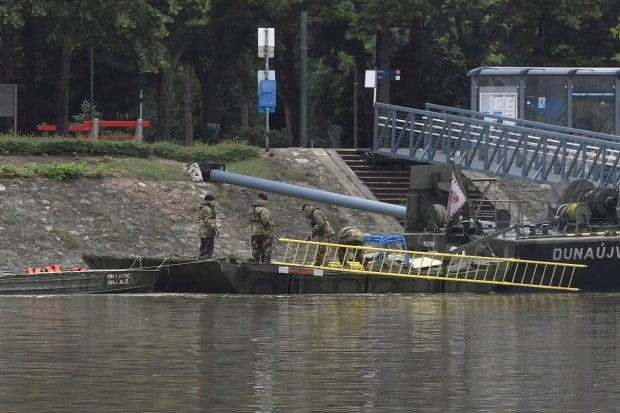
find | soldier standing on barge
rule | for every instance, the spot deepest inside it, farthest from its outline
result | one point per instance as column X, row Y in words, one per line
column 321, row 228
column 207, row 227
column 355, row 238
column 261, row 230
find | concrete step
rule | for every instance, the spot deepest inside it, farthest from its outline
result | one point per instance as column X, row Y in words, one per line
column 387, row 179
column 352, row 155
column 384, row 174
column 388, row 186
column 393, row 194
column 362, row 167
column 393, row 200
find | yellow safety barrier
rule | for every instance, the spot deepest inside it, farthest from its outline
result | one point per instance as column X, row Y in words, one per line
column 428, row 265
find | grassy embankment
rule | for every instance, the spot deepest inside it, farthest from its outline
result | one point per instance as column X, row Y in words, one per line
column 68, row 158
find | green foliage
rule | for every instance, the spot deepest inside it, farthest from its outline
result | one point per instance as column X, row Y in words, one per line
column 7, row 171
column 223, row 152
column 34, row 169
column 269, row 168
column 141, row 168
column 434, row 43
column 170, row 150
column 101, row 171
column 85, row 112
column 64, row 171
column 255, row 135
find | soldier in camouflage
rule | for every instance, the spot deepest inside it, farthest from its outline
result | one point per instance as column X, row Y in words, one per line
column 353, row 237
column 261, row 230
column 207, row 227
column 321, row 228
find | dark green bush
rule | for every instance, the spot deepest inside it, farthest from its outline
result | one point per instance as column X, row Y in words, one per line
column 278, row 138
column 65, row 170
column 7, row 171
column 255, row 135
column 222, row 152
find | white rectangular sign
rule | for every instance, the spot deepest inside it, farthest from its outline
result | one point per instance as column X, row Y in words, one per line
column 370, row 79
column 8, row 100
column 266, row 41
column 265, row 75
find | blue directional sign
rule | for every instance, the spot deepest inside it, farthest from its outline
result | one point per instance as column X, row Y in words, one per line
column 388, row 74
column 267, row 96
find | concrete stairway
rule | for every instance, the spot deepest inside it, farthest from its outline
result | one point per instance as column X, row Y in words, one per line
column 387, row 180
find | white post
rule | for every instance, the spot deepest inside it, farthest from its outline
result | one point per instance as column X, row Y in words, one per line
column 138, row 135
column 267, row 77
column 374, row 91
column 95, row 131
column 266, row 45
column 15, row 114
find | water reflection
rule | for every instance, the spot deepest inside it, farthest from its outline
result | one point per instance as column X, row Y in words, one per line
column 310, row 353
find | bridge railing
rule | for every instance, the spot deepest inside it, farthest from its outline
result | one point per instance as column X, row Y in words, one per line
column 581, row 133
column 491, row 147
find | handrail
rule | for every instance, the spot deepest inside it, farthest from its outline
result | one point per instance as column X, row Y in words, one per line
column 429, row 265
column 582, row 133
column 508, row 150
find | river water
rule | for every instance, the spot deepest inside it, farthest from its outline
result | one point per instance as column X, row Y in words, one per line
column 328, row 353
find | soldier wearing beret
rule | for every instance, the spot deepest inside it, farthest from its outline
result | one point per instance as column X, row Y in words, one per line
column 207, row 227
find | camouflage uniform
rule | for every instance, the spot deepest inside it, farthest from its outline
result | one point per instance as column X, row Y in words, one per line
column 354, row 237
column 207, row 229
column 261, row 233
column 322, row 229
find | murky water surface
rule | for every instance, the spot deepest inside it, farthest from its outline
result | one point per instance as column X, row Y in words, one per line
column 162, row 353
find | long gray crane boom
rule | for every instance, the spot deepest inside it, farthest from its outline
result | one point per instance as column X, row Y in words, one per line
column 215, row 173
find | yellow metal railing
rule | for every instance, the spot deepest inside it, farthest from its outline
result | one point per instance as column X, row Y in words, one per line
column 429, row 265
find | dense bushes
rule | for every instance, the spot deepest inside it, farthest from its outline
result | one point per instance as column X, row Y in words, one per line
column 255, row 135
column 58, row 170
column 223, row 152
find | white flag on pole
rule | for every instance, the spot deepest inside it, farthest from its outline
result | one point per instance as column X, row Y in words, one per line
column 456, row 197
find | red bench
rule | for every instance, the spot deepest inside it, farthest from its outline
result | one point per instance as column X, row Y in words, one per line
column 53, row 128
column 87, row 125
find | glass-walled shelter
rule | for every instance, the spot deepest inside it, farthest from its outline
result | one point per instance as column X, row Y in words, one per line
column 577, row 97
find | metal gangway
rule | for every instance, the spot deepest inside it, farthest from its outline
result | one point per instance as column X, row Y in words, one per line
column 499, row 146
column 387, row 262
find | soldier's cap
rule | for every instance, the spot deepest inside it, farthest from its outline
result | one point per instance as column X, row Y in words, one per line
column 263, row 196
column 303, row 207
column 209, row 197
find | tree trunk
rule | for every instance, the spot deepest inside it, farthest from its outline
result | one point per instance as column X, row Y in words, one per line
column 244, row 101
column 364, row 100
column 188, row 126
column 212, row 103
column 28, row 117
column 8, row 51
column 164, row 100
column 384, row 43
column 62, row 102
column 165, row 87
column 208, row 79
column 7, row 69
column 288, row 90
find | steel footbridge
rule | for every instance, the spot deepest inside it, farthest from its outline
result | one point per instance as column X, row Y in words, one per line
column 496, row 145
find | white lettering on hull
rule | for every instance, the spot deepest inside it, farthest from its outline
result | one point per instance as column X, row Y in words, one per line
column 119, row 278
column 586, row 253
